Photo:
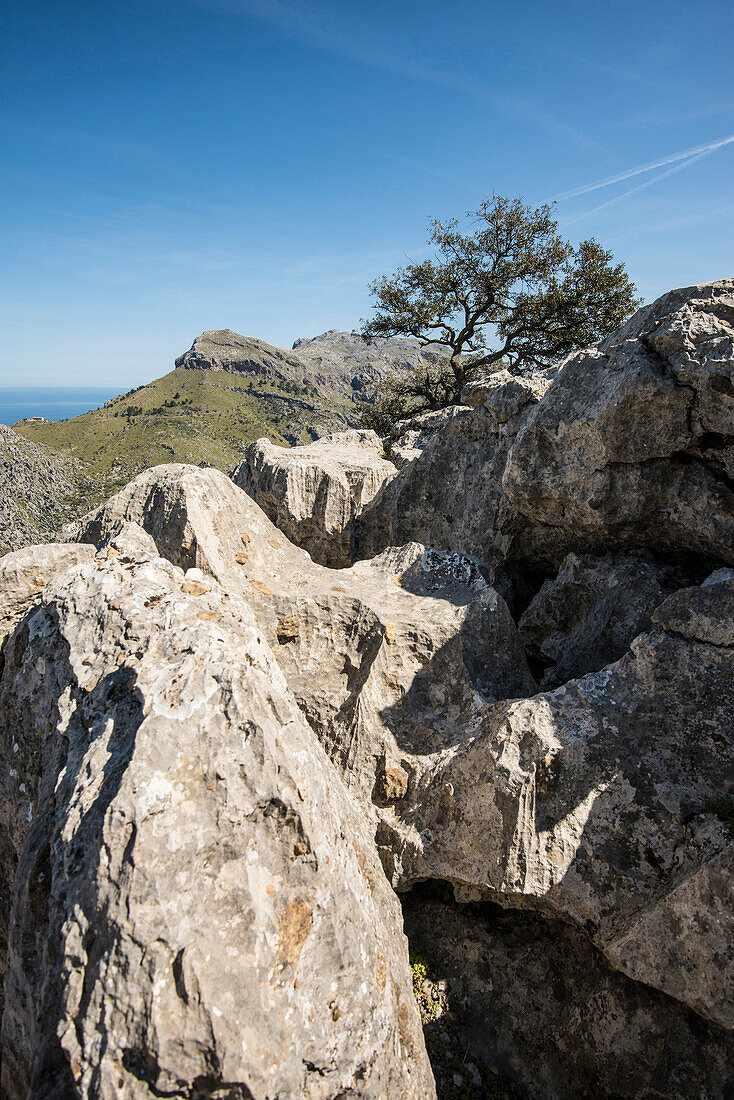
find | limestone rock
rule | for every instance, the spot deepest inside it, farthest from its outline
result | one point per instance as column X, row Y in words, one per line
column 391, row 655
column 600, row 802
column 633, row 445
column 410, row 437
column 586, row 616
column 193, row 899
column 450, row 494
column 24, row 574
column 315, row 493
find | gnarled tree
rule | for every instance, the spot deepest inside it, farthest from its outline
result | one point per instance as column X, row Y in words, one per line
column 509, row 292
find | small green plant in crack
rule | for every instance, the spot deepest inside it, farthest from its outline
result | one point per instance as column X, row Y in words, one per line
column 431, row 997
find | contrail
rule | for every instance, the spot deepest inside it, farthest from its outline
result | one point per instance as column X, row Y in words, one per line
column 648, row 183
column 700, row 150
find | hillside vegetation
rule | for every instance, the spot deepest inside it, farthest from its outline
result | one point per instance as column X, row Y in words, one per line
column 225, row 392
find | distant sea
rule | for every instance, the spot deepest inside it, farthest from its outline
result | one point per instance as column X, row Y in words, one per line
column 51, row 402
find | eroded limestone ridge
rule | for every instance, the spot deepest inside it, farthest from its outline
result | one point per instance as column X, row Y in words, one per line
column 222, row 762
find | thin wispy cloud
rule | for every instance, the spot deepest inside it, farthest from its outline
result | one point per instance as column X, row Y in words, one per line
column 640, row 187
column 694, row 155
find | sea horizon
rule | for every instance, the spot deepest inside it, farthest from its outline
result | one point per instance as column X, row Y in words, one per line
column 51, row 402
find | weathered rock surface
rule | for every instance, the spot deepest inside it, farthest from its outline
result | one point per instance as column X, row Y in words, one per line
column 38, row 491
column 586, row 616
column 315, row 493
column 538, row 1003
column 410, row 437
column 590, row 801
column 633, row 445
column 196, row 905
column 24, row 574
column 391, row 653
column 600, row 803
column 450, row 495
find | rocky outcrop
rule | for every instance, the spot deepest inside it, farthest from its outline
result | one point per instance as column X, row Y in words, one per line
column 388, row 654
column 633, row 446
column 25, row 574
column 356, row 364
column 450, row 495
column 606, row 802
column 196, row 908
column 399, row 665
column 315, row 493
column 38, row 491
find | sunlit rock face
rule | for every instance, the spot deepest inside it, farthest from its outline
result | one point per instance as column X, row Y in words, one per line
column 314, row 494
column 184, row 872
column 633, row 445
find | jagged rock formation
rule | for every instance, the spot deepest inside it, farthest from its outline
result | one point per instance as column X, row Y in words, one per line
column 598, row 802
column 634, row 444
column 215, row 746
column 315, row 493
column 383, row 656
column 346, row 357
column 192, row 883
column 38, row 490
column 450, row 494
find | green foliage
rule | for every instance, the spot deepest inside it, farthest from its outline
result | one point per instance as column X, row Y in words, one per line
column 431, row 1004
column 185, row 416
column 509, row 292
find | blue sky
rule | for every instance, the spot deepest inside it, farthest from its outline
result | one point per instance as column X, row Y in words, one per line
column 176, row 165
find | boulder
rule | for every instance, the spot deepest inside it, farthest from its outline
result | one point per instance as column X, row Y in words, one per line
column 388, row 659
column 315, row 493
column 449, row 494
column 633, row 445
column 193, row 902
column 607, row 803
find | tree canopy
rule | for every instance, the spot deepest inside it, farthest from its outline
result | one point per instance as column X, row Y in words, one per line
column 510, row 291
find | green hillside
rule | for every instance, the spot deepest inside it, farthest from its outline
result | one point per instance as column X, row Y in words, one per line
column 190, row 415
